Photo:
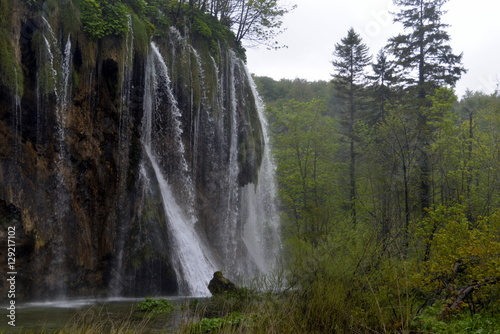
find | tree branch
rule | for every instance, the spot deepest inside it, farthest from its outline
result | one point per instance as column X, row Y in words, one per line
column 466, row 291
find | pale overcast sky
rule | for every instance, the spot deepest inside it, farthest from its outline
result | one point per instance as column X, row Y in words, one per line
column 315, row 26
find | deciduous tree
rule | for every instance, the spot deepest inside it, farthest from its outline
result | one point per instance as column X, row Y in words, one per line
column 305, row 144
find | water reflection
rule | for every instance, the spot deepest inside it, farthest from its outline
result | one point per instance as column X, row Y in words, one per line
column 55, row 315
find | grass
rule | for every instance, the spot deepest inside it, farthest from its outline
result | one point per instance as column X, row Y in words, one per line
column 99, row 321
column 328, row 307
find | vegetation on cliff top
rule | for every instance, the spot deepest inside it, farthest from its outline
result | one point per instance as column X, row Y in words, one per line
column 228, row 22
column 209, row 22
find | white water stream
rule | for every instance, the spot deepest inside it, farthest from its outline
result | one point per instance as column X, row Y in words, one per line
column 193, row 262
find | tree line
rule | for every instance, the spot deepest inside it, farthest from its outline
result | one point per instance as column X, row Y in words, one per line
column 389, row 184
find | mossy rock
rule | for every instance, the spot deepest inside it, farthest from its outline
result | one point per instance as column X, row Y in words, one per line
column 219, row 284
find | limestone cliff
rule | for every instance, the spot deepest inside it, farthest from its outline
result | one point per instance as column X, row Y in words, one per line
column 94, row 136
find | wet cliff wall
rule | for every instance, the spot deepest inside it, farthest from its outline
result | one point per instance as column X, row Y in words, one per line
column 98, row 137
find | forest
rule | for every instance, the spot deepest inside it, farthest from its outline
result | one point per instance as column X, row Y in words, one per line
column 359, row 244
column 389, row 186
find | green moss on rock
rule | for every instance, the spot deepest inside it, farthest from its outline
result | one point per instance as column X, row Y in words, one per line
column 10, row 71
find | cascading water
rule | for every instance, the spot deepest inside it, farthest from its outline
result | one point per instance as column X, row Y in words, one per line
column 245, row 235
column 231, row 221
column 117, row 283
column 261, row 229
column 169, row 124
column 196, row 114
column 192, row 261
column 58, row 84
column 66, row 84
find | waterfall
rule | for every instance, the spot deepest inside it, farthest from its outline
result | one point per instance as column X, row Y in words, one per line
column 126, row 84
column 262, row 224
column 164, row 95
column 245, row 235
column 135, row 167
column 63, row 99
column 53, row 79
column 231, row 222
column 66, row 83
column 196, row 114
column 116, row 282
column 192, row 261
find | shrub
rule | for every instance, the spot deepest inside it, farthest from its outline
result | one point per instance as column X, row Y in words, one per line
column 156, row 306
column 102, row 18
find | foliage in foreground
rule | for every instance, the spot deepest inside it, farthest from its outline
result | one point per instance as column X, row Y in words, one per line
column 213, row 325
column 381, row 303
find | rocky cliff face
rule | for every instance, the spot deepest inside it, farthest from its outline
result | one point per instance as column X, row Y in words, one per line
column 124, row 161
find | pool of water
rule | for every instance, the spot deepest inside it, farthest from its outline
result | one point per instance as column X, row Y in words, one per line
column 108, row 313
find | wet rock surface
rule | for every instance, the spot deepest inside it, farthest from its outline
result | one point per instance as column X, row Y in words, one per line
column 219, row 284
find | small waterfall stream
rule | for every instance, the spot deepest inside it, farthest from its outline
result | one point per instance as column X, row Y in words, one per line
column 232, row 211
column 57, row 84
column 192, row 261
column 117, row 280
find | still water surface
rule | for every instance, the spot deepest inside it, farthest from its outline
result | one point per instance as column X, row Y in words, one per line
column 52, row 316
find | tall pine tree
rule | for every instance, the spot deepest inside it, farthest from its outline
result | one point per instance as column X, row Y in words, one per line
column 422, row 53
column 425, row 61
column 350, row 82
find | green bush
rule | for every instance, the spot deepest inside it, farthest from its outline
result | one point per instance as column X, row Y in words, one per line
column 156, row 306
column 102, row 18
column 92, row 18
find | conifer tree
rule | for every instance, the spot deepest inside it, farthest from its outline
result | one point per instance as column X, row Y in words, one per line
column 383, row 70
column 350, row 82
column 425, row 61
column 423, row 56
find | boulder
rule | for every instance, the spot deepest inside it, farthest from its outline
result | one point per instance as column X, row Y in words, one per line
column 219, row 284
